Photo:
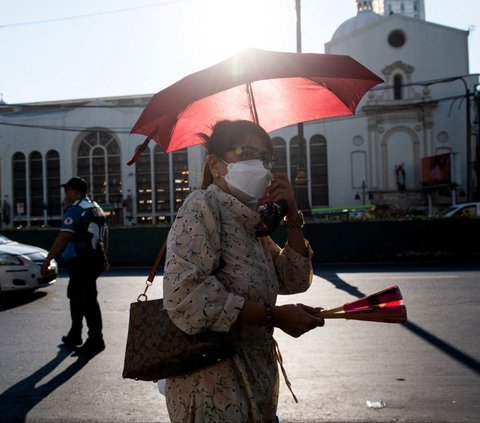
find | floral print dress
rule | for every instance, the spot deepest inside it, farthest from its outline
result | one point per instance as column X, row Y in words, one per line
column 213, row 263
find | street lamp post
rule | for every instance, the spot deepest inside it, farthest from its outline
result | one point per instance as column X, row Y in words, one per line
column 469, row 142
column 301, row 181
column 476, row 99
column 364, row 194
column 468, row 157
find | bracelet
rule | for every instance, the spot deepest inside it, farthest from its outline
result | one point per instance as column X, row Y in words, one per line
column 297, row 222
column 268, row 315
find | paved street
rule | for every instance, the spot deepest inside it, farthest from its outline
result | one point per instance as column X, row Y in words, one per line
column 349, row 371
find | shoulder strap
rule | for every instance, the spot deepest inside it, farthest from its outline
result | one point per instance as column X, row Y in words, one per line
column 153, row 271
column 157, row 261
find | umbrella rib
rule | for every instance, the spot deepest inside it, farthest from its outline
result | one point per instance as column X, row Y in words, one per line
column 251, row 103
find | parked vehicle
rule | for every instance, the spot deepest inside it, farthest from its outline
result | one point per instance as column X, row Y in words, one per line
column 462, row 210
column 20, row 267
column 340, row 213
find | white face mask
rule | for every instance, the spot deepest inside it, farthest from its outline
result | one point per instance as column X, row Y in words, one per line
column 248, row 180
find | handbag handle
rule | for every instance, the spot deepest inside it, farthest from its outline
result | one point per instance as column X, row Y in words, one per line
column 153, row 272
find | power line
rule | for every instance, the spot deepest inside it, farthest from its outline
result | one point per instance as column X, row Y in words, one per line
column 66, row 106
column 89, row 15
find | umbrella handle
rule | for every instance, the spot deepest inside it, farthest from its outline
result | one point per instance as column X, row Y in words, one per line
column 139, row 152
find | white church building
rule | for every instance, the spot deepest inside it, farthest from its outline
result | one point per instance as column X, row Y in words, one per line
column 381, row 155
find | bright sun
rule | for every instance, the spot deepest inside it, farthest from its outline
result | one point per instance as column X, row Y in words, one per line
column 229, row 26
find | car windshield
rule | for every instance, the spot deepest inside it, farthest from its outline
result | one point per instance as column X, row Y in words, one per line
column 447, row 211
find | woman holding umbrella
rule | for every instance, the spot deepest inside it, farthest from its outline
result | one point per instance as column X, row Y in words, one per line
column 220, row 276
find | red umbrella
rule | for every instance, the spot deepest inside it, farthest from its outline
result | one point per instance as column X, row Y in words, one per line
column 274, row 89
column 384, row 306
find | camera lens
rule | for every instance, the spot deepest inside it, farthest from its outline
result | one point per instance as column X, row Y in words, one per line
column 271, row 215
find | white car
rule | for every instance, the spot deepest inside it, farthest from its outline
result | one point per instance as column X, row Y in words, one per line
column 20, row 267
column 462, row 210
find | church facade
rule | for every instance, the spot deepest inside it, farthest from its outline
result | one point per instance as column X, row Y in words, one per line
column 422, row 110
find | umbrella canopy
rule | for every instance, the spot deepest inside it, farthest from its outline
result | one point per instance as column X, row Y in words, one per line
column 273, row 89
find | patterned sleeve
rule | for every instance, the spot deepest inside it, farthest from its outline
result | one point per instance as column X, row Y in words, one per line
column 193, row 296
column 294, row 271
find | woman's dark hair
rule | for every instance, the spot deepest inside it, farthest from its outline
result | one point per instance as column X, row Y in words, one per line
column 226, row 135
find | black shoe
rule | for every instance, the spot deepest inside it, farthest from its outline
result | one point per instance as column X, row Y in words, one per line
column 90, row 348
column 71, row 341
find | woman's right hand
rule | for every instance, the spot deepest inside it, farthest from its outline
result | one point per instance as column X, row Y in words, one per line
column 296, row 319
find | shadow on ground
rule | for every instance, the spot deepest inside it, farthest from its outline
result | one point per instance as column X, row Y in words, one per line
column 331, row 276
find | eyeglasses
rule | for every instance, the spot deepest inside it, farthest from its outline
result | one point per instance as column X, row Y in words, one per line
column 248, row 152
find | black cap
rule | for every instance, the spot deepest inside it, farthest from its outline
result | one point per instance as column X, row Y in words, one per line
column 78, row 184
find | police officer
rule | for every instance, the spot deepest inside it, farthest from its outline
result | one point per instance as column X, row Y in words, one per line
column 83, row 239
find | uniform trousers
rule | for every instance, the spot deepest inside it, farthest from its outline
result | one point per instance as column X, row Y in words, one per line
column 82, row 293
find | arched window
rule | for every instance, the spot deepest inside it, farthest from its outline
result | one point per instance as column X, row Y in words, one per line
column 397, row 87
column 19, row 179
column 98, row 161
column 319, row 171
column 162, row 182
column 54, row 201
column 293, row 159
column 359, row 169
column 280, row 154
column 180, row 177
column 36, row 185
column 143, row 181
column 171, row 183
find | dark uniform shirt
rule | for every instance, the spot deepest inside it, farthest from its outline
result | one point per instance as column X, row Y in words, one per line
column 87, row 221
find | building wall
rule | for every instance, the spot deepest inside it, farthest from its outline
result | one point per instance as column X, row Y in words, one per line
column 362, row 151
column 421, row 123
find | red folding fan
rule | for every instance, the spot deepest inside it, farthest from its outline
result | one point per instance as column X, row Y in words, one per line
column 384, row 306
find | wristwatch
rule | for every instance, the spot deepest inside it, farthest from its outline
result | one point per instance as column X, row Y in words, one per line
column 297, row 222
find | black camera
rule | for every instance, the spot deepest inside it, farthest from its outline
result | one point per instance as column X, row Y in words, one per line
column 271, row 215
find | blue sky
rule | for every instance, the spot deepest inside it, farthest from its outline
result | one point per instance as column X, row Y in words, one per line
column 69, row 49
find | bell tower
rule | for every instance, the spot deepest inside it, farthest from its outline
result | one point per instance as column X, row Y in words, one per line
column 411, row 8
column 364, row 6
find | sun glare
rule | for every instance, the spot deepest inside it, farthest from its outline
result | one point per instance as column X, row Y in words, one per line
column 230, row 26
